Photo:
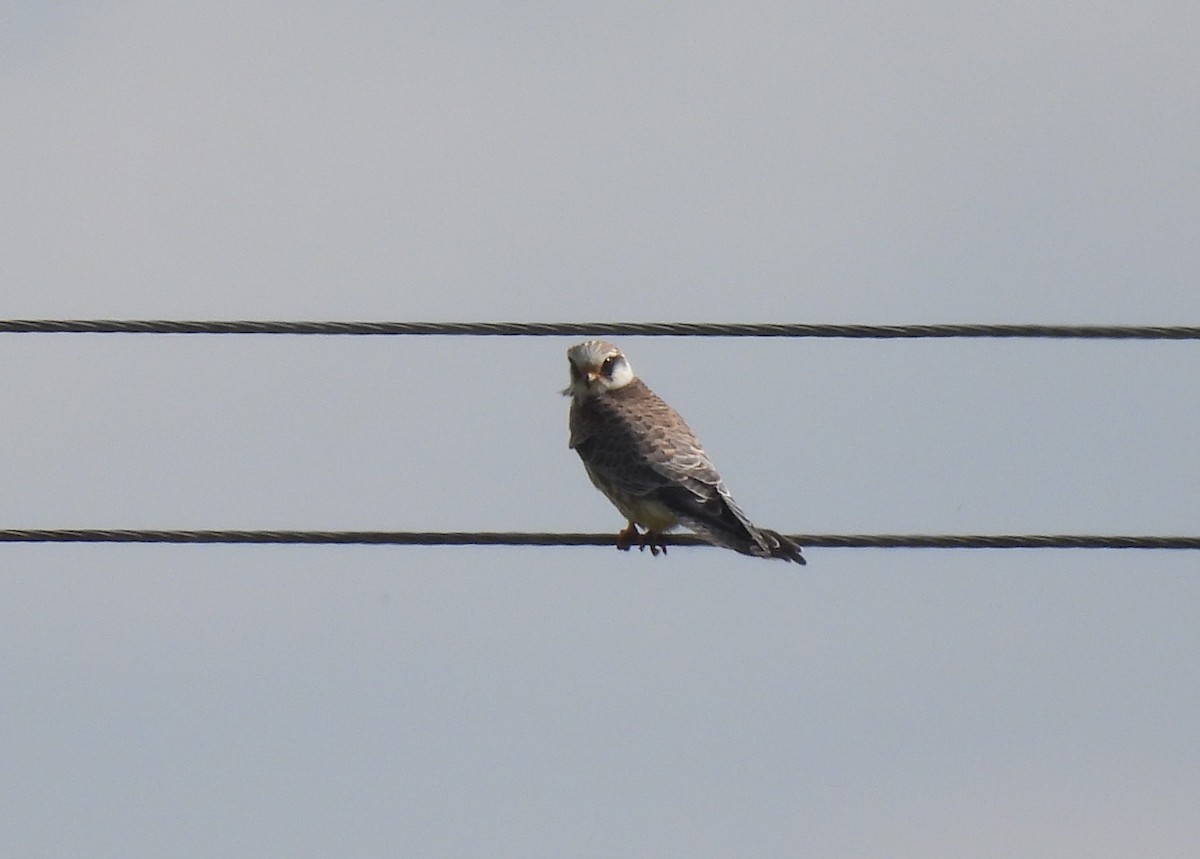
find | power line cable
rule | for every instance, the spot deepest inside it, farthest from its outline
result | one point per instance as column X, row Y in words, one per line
column 524, row 538
column 640, row 329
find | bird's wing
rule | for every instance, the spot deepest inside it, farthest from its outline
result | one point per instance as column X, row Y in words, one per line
column 640, row 444
column 622, row 439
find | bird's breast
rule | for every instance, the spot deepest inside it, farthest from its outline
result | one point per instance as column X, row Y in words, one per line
column 647, row 511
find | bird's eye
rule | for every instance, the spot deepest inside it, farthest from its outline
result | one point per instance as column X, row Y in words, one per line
column 607, row 367
column 575, row 374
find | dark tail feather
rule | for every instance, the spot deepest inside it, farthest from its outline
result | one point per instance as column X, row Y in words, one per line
column 719, row 520
column 779, row 546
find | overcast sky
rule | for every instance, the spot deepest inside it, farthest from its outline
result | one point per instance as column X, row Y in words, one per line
column 781, row 162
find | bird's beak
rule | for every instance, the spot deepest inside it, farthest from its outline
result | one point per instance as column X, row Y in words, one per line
column 589, row 376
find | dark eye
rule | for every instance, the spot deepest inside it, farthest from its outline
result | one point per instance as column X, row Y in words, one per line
column 607, row 367
column 575, row 374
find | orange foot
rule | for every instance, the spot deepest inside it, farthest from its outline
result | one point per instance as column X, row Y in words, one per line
column 651, row 540
column 628, row 537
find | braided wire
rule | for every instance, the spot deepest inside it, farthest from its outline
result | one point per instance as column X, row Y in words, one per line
column 522, row 538
column 641, row 329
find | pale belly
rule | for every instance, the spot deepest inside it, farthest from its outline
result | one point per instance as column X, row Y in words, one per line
column 650, row 514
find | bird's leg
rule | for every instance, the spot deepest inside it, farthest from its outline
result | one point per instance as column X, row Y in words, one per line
column 653, row 540
column 648, row 539
column 628, row 537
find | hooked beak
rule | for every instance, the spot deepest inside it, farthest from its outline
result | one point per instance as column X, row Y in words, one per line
column 589, row 376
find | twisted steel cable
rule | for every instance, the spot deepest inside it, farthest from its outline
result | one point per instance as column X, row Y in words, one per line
column 615, row 329
column 526, row 538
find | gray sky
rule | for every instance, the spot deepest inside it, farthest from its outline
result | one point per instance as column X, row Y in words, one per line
column 750, row 162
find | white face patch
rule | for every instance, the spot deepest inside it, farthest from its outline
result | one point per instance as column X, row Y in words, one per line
column 596, row 367
column 620, row 373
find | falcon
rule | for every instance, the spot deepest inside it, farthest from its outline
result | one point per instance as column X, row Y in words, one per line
column 639, row 452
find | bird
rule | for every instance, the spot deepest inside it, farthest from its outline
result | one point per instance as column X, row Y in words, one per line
column 641, row 454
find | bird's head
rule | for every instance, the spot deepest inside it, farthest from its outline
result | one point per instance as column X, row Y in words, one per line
column 596, row 367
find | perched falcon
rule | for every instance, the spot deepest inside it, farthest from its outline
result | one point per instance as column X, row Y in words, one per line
column 645, row 459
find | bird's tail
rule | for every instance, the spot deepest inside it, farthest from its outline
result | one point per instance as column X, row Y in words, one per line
column 775, row 545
